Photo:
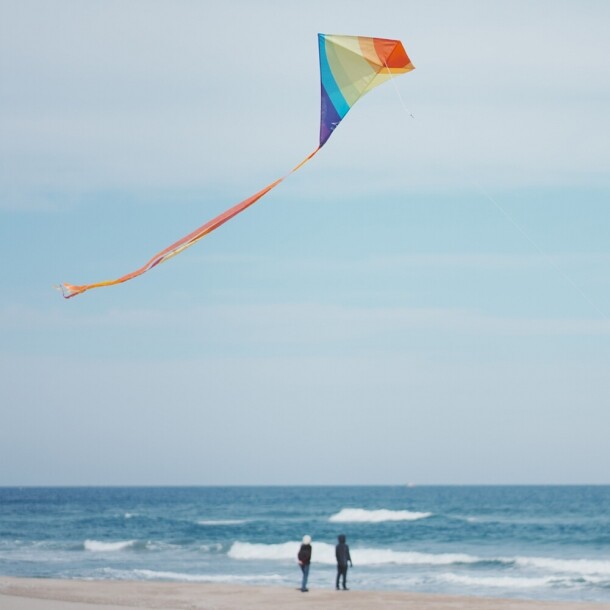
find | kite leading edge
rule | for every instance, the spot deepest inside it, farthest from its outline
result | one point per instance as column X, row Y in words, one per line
column 350, row 66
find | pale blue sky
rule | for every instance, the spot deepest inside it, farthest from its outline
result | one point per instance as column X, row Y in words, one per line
column 427, row 301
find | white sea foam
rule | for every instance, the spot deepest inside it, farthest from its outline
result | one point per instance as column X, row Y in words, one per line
column 361, row 515
column 220, row 578
column 514, row 582
column 284, row 551
column 212, row 522
column 503, row 582
column 466, row 518
column 105, row 547
column 207, row 548
column 388, row 556
column 583, row 567
column 325, row 553
column 143, row 574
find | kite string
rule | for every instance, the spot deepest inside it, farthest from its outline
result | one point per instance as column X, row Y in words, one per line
column 517, row 226
column 397, row 90
column 540, row 251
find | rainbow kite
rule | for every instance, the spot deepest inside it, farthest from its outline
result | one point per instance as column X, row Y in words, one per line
column 350, row 66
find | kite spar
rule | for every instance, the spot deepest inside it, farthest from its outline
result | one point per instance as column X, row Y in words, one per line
column 350, row 66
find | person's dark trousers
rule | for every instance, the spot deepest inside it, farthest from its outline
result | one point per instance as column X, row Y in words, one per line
column 341, row 572
column 305, row 570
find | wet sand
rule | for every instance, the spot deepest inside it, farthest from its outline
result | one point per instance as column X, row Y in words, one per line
column 44, row 594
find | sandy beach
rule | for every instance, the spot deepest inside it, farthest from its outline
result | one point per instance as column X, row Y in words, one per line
column 43, row 594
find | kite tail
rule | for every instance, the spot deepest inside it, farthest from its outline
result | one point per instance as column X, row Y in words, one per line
column 70, row 290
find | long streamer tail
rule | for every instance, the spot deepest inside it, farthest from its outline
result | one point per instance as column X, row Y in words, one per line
column 70, row 290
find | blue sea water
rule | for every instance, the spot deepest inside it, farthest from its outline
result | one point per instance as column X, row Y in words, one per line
column 520, row 542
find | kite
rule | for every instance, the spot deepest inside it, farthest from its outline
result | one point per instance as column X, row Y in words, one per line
column 350, row 66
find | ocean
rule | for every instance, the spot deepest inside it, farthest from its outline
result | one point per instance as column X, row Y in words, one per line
column 530, row 542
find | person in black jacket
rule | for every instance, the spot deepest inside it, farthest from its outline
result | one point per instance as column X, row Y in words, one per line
column 343, row 558
column 304, row 557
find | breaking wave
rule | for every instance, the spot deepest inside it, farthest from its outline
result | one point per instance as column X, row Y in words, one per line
column 98, row 546
column 587, row 567
column 361, row 515
column 325, row 553
column 185, row 577
column 525, row 582
column 504, row 582
column 213, row 522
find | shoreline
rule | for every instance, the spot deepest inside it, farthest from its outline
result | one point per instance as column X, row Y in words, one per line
column 55, row 594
